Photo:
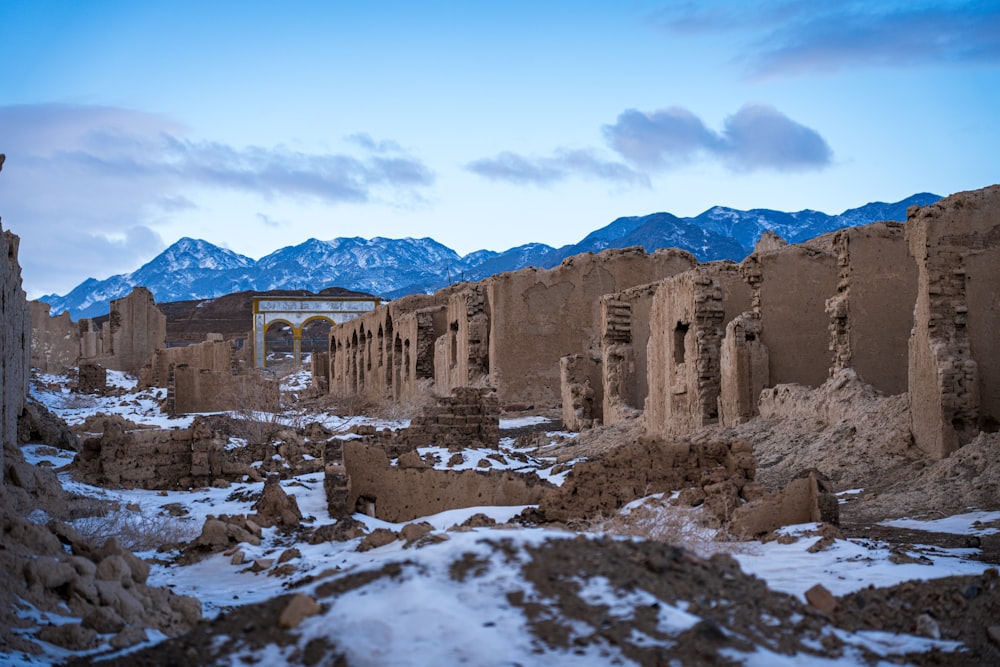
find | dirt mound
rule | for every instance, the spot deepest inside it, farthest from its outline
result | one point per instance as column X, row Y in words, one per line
column 583, row 598
column 53, row 572
column 860, row 439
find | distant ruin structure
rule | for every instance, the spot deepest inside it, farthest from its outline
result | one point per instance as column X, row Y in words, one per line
column 297, row 312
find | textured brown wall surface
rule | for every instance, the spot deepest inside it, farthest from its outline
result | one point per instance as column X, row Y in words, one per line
column 403, row 494
column 687, row 324
column 796, row 282
column 15, row 343
column 624, row 339
column 954, row 361
column 537, row 317
column 55, row 341
column 879, row 281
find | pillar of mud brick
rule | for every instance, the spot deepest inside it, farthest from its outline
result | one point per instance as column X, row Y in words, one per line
column 582, row 395
column 92, row 379
column 336, row 483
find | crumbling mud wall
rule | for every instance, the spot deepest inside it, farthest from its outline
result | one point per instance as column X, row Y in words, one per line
column 191, row 389
column 461, row 356
column 954, row 359
column 55, row 341
column 714, row 473
column 688, row 319
column 156, row 458
column 469, row 417
column 582, row 392
column 213, row 354
column 790, row 287
column 15, row 343
column 743, row 362
column 871, row 314
column 388, row 352
column 508, row 331
column 537, row 317
column 135, row 329
column 400, row 493
column 624, row 339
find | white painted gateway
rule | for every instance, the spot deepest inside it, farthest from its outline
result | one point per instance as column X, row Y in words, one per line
column 296, row 312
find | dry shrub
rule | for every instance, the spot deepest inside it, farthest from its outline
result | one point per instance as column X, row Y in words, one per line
column 138, row 528
column 256, row 407
column 382, row 407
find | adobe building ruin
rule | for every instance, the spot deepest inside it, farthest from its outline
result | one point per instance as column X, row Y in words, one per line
column 15, row 344
column 508, row 331
column 134, row 330
column 954, row 356
column 911, row 307
column 55, row 341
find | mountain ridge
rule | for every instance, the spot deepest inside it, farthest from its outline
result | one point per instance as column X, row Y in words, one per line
column 391, row 268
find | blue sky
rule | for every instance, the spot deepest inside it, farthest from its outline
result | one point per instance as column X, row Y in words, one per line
column 256, row 125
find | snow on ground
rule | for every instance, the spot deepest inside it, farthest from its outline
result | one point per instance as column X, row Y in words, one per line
column 849, row 565
column 412, row 619
column 970, row 523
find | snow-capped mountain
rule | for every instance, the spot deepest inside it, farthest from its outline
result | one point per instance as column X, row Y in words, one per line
column 195, row 269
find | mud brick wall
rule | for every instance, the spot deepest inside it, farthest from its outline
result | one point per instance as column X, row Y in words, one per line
column 200, row 390
column 156, row 459
column 582, row 392
column 872, row 313
column 15, row 342
column 213, row 354
column 624, row 340
column 649, row 465
column 461, row 356
column 790, row 288
column 93, row 379
column 537, row 317
column 388, row 352
column 135, row 329
column 396, row 494
column 743, row 363
column 319, row 366
column 688, row 319
column 470, row 417
column 954, row 359
column 55, row 341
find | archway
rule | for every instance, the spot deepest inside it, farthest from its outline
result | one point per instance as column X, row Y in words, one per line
column 296, row 312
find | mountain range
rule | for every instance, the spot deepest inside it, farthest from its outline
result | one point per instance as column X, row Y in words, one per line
column 391, row 268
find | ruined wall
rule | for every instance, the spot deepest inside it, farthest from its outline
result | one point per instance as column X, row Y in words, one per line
column 582, row 392
column 135, row 329
column 156, row 459
column 191, row 389
column 461, row 356
column 213, row 354
column 790, row 288
column 872, row 313
column 687, row 323
column 469, row 417
column 717, row 474
column 537, row 317
column 624, row 340
column 398, row 493
column 388, row 352
column 743, row 363
column 55, row 341
column 954, row 359
column 319, row 366
column 15, row 343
